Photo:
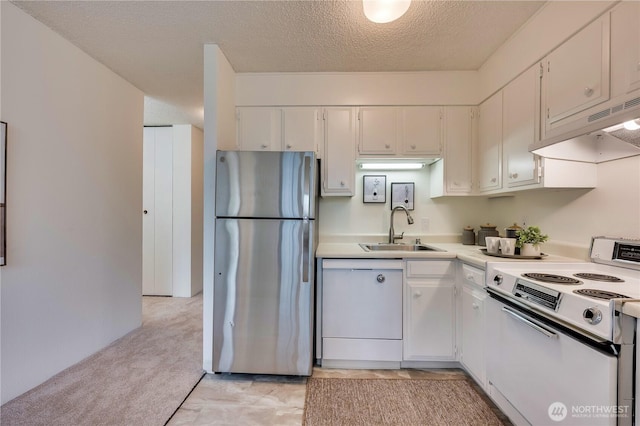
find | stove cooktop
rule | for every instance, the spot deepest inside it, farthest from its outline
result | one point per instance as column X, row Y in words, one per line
column 575, row 288
column 568, row 277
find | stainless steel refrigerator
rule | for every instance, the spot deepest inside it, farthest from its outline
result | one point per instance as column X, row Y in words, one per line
column 265, row 241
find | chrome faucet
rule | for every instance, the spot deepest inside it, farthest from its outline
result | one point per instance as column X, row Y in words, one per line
column 392, row 233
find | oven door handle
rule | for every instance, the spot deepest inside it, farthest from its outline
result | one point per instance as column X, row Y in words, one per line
column 530, row 323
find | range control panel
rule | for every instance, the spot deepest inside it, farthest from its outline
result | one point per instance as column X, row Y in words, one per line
column 616, row 252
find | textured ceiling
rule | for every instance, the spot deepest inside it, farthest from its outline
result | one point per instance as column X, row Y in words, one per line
column 158, row 45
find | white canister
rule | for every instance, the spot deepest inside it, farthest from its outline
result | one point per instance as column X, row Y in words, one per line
column 508, row 246
column 493, row 244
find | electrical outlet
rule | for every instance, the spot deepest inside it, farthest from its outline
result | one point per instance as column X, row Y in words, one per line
column 424, row 224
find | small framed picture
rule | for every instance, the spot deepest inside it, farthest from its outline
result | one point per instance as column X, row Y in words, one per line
column 402, row 194
column 374, row 189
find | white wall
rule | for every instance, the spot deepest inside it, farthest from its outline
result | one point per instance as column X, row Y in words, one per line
column 72, row 283
column 394, row 88
column 219, row 133
column 197, row 209
column 187, row 210
column 340, row 216
column 574, row 216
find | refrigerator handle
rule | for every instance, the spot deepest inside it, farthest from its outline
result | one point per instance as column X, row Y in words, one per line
column 306, row 197
column 305, row 251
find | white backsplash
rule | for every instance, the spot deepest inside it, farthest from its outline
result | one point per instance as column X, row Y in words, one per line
column 570, row 217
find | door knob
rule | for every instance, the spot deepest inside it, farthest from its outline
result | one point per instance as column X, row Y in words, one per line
column 144, row 211
column 588, row 91
column 380, row 278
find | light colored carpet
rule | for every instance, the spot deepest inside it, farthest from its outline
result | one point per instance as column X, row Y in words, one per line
column 395, row 402
column 140, row 379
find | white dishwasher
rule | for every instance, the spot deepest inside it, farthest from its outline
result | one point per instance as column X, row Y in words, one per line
column 362, row 313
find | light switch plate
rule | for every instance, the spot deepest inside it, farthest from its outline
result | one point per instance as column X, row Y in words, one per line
column 374, row 189
column 402, row 194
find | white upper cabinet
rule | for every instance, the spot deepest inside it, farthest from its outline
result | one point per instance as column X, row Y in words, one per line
column 302, row 129
column 625, row 48
column 576, row 75
column 407, row 131
column 520, row 128
column 490, row 144
column 378, row 130
column 452, row 175
column 280, row 129
column 259, row 128
column 338, row 165
column 421, row 130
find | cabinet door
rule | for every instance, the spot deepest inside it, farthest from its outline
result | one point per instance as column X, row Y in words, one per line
column 625, row 48
column 429, row 320
column 259, row 128
column 421, row 130
column 301, row 129
column 521, row 107
column 458, row 136
column 362, row 303
column 378, row 130
column 577, row 73
column 472, row 330
column 339, row 152
column 490, row 143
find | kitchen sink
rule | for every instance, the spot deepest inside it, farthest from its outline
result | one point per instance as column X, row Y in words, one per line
column 397, row 247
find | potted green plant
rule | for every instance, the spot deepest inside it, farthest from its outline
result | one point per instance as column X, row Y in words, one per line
column 529, row 240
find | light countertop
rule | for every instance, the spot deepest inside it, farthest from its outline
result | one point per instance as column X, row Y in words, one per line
column 632, row 309
column 467, row 253
column 471, row 254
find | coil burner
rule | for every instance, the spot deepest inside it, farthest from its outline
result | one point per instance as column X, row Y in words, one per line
column 552, row 278
column 600, row 294
column 598, row 277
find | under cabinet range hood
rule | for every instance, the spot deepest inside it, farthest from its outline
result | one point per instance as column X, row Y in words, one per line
column 599, row 134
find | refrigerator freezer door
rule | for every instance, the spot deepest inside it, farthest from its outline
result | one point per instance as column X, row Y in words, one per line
column 263, row 296
column 265, row 184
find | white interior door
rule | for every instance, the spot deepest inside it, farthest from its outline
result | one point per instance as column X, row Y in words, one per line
column 157, row 237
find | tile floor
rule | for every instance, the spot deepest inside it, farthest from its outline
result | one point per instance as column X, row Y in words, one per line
column 242, row 399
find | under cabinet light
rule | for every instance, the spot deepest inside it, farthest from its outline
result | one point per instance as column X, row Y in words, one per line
column 632, row 124
column 391, row 166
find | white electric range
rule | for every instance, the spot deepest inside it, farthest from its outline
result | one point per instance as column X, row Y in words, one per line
column 558, row 331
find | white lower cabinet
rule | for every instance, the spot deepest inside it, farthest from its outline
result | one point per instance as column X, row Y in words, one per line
column 388, row 313
column 361, row 310
column 429, row 311
column 472, row 322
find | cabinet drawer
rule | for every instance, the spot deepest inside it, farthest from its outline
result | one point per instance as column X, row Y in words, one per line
column 472, row 275
column 429, row 268
column 361, row 264
column 362, row 349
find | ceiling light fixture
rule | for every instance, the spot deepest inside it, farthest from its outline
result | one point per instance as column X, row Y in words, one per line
column 383, row 11
column 632, row 124
column 391, row 166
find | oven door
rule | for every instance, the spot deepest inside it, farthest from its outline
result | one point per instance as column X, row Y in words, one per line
column 545, row 374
